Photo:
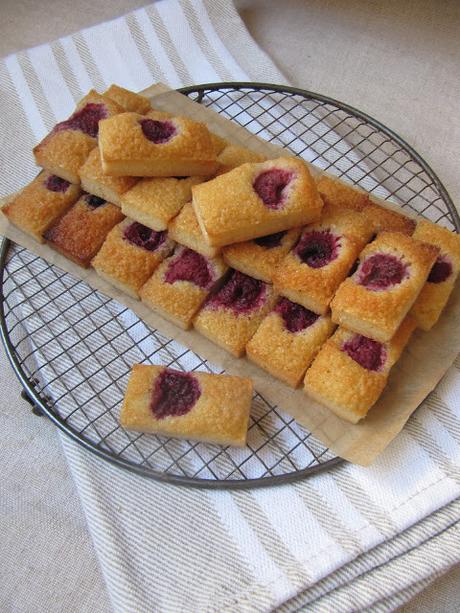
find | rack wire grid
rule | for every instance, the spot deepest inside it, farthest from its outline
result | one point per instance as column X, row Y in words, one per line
column 72, row 347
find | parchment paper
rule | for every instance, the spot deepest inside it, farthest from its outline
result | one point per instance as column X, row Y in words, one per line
column 424, row 362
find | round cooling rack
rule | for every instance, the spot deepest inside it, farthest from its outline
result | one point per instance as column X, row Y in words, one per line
column 72, row 347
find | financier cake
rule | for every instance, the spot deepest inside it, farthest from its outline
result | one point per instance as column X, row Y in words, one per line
column 181, row 284
column 69, row 143
column 351, row 370
column 391, row 273
column 197, row 406
column 231, row 316
column 130, row 254
column 255, row 200
column 155, row 201
column 135, row 145
column 441, row 280
column 40, row 203
column 185, row 229
column 324, row 255
column 79, row 233
column 287, row 340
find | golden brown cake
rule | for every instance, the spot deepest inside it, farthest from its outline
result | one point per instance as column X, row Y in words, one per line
column 40, row 203
column 197, row 406
column 186, row 230
column 233, row 156
column 337, row 194
column 231, row 316
column 441, row 280
column 181, row 284
column 67, row 146
column 351, row 371
column 135, row 145
column 391, row 273
column 384, row 219
column 154, row 202
column 287, row 341
column 79, row 234
column 260, row 257
column 324, row 255
column 94, row 181
column 218, row 143
column 130, row 254
column 256, row 200
column 130, row 101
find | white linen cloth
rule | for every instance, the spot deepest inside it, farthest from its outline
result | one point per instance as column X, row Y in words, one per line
column 354, row 537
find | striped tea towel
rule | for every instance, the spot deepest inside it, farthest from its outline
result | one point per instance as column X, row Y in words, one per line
column 333, row 542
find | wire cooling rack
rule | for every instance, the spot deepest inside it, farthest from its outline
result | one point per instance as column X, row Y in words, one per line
column 72, row 347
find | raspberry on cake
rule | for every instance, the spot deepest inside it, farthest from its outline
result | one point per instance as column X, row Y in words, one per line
column 181, row 284
column 79, row 234
column 287, row 340
column 441, row 280
column 350, row 371
column 337, row 194
column 139, row 146
column 233, row 156
column 154, row 202
column 391, row 273
column 197, row 406
column 255, row 200
column 324, row 255
column 128, row 100
column 185, row 230
column 231, row 316
column 94, row 181
column 40, row 203
column 69, row 143
column 260, row 257
column 130, row 254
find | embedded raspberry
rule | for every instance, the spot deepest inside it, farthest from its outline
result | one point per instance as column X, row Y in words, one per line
column 158, row 132
column 56, row 184
column 189, row 266
column 318, row 248
column 368, row 353
column 441, row 271
column 295, row 316
column 144, row 237
column 381, row 271
column 86, row 119
column 271, row 241
column 271, row 185
column 174, row 394
column 94, row 201
column 240, row 293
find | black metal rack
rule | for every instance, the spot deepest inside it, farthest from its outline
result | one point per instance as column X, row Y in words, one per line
column 72, row 347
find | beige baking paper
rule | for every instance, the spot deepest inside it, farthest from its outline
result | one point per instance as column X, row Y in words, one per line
column 422, row 365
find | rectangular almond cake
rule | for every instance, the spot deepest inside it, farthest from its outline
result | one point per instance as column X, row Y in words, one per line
column 79, row 234
column 441, row 280
column 287, row 340
column 255, row 200
column 65, row 149
column 154, row 202
column 350, row 371
column 130, row 254
column 181, row 284
column 231, row 316
column 94, row 181
column 260, row 257
column 197, row 406
column 185, row 229
column 325, row 253
column 391, row 273
column 134, row 145
column 40, row 203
